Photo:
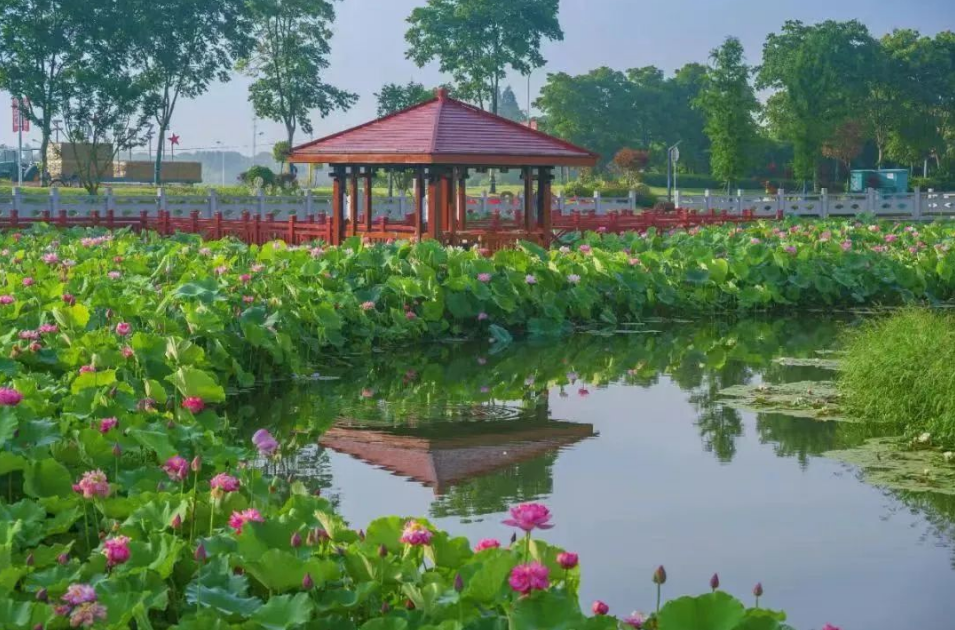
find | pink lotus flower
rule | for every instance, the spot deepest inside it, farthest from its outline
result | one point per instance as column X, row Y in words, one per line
column 68, row 299
column 29, row 334
column 528, row 577
column 116, row 550
column 484, row 277
column 264, row 441
column 529, row 516
column 790, row 249
column 530, row 279
column 239, row 519
column 27, row 282
column 487, row 543
column 6, row 300
column 256, row 268
column 193, row 404
column 416, row 534
column 891, row 238
column 114, row 275
column 600, row 608
column 573, row 279
column 223, row 483
column 874, row 228
column 177, row 468
column 846, row 245
column 635, row 620
column 107, row 424
column 50, row 259
column 585, row 249
column 567, row 560
column 123, row 329
column 87, row 369
column 410, row 315
column 221, row 269
column 10, row 397
column 367, row 306
column 633, row 262
column 128, row 353
column 77, row 594
column 829, row 626
column 245, row 278
column 482, row 316
column 92, row 484
column 86, row 615
column 48, row 329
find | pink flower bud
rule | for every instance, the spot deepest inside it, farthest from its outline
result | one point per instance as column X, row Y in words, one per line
column 458, row 583
column 715, row 582
column 307, row 582
column 296, row 540
column 600, row 608
column 200, row 555
column 758, row 589
column 176, row 522
column 660, row 575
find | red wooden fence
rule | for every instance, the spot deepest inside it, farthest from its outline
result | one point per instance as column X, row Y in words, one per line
column 493, row 232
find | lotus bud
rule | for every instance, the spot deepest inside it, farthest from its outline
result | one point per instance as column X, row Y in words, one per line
column 361, row 535
column 382, row 551
column 715, row 582
column 458, row 583
column 296, row 540
column 600, row 608
column 758, row 589
column 307, row 582
column 409, row 604
column 385, row 608
column 42, row 596
column 321, row 534
column 660, row 575
column 63, row 558
column 200, row 554
column 176, row 522
column 30, row 561
column 196, row 465
column 38, row 626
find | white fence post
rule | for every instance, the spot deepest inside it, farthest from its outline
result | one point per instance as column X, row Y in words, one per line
column 597, row 202
column 870, row 200
column 917, row 204
column 261, row 201
column 213, row 202
column 560, row 202
column 739, row 201
column 781, row 202
column 401, row 204
column 108, row 199
column 676, row 198
column 309, row 203
column 707, row 200
column 632, row 199
column 483, row 202
column 161, row 198
column 54, row 200
column 824, row 203
column 16, row 198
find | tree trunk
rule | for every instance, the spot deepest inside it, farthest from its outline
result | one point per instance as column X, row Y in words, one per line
column 157, row 166
column 494, row 104
column 44, row 147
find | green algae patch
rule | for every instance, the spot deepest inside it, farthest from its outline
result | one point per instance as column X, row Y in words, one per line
column 818, row 400
column 891, row 463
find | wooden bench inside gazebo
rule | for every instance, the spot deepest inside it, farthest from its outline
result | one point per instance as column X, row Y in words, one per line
column 440, row 142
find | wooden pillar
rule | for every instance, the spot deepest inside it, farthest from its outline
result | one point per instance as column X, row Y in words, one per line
column 434, row 204
column 462, row 209
column 528, row 176
column 369, row 172
column 544, row 210
column 338, row 204
column 353, row 201
column 447, row 204
column 418, row 202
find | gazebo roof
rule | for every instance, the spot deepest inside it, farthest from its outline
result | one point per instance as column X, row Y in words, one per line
column 443, row 131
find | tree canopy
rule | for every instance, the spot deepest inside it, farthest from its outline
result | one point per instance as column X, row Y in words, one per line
column 394, row 97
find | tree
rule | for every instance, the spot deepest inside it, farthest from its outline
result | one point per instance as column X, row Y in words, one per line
column 281, row 151
column 593, row 110
column 475, row 41
column 40, row 40
column 822, row 76
column 728, row 104
column 684, row 122
column 631, row 163
column 287, row 61
column 845, row 144
column 394, row 98
column 508, row 106
column 186, row 46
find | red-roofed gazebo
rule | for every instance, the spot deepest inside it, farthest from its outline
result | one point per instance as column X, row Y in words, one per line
column 439, row 141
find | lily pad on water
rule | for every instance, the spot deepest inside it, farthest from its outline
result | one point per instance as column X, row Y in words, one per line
column 822, row 364
column 805, row 399
column 888, row 463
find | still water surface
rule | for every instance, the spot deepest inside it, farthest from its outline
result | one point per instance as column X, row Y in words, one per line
column 624, row 438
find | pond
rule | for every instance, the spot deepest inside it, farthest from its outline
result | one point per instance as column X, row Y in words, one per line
column 625, row 438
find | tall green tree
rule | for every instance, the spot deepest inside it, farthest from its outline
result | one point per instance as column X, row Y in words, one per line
column 729, row 105
column 821, row 74
column 40, row 40
column 476, row 41
column 183, row 47
column 509, row 108
column 593, row 110
column 394, row 97
column 685, row 122
column 287, row 61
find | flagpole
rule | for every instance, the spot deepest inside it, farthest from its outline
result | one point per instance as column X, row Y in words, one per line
column 20, row 143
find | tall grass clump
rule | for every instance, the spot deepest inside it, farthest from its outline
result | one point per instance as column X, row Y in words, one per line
column 901, row 370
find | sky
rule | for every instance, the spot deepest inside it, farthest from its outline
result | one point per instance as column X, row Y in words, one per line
column 368, row 50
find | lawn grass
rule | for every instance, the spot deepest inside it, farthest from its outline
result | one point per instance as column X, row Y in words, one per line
column 900, row 370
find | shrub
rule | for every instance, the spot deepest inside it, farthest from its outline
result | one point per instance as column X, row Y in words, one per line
column 645, row 198
column 899, row 370
column 265, row 173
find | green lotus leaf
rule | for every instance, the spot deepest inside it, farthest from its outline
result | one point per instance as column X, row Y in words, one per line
column 284, row 612
column 47, row 478
column 192, row 382
column 386, row 623
column 714, row 611
column 546, row 610
column 87, row 380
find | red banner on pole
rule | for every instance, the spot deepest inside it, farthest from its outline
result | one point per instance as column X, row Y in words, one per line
column 20, row 121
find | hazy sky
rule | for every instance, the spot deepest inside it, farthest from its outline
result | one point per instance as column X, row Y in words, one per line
column 368, row 50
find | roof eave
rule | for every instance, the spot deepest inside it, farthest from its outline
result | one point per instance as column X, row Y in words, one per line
column 456, row 159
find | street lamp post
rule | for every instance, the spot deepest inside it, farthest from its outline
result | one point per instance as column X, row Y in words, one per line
column 673, row 156
column 222, row 154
